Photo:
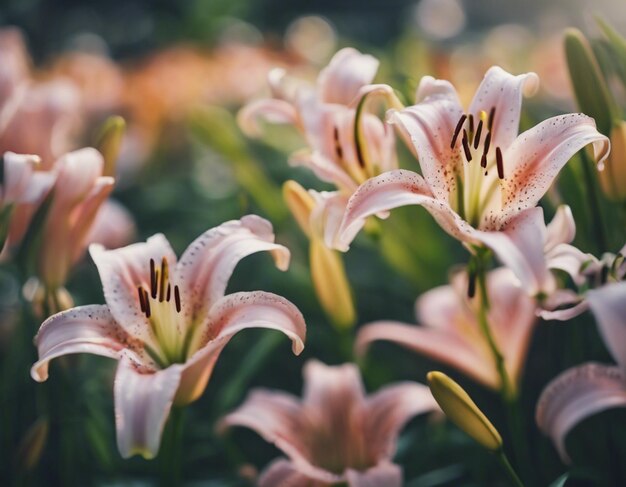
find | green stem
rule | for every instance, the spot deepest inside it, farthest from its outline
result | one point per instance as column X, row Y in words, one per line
column 506, row 465
column 172, row 463
column 594, row 203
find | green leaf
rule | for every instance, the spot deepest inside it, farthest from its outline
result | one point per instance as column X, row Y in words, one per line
column 618, row 45
column 560, row 482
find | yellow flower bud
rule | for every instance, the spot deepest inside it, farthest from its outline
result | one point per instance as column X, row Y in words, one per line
column 462, row 411
column 613, row 175
column 300, row 203
column 109, row 142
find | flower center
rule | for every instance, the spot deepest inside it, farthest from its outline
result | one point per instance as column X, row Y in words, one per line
column 475, row 186
column 161, row 305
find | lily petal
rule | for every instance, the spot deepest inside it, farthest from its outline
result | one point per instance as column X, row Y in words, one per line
column 85, row 329
column 442, row 345
column 392, row 190
column 206, row 266
column 388, row 410
column 347, row 72
column 562, row 228
column 535, row 158
column 576, row 394
column 384, row 475
column 562, row 305
column 284, row 473
column 113, row 226
column 142, row 405
column 569, row 259
column 427, row 129
column 121, row 271
column 269, row 110
column 503, row 91
column 323, row 168
column 608, row 305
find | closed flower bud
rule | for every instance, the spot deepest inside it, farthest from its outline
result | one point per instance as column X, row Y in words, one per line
column 109, row 142
column 613, row 175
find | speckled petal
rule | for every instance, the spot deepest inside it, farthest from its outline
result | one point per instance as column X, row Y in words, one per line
column 206, row 266
column 85, row 329
column 576, row 394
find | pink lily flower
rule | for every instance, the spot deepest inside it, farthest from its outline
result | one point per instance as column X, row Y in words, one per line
column 590, row 388
column 21, row 186
column 166, row 322
column 479, row 177
column 79, row 191
column 335, row 434
column 451, row 332
column 326, row 116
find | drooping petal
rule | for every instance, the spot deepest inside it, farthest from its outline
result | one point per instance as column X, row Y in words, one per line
column 428, row 129
column 392, row 190
column 142, row 405
column 576, row 394
column 323, row 168
column 561, row 230
column 536, row 156
column 519, row 246
column 386, row 413
column 85, row 329
column 121, row 271
column 569, row 259
column 17, row 175
column 503, row 91
column 608, row 305
column 562, row 305
column 206, row 266
column 347, row 72
column 383, row 475
column 268, row 110
column 284, row 473
column 442, row 345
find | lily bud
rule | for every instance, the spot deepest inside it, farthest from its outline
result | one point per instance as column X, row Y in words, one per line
column 462, row 411
column 300, row 203
column 109, row 142
column 613, row 176
column 593, row 96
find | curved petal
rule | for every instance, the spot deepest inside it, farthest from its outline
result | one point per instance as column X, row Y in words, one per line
column 428, row 129
column 327, row 214
column 256, row 309
column 269, row 110
column 441, row 307
column 347, row 72
column 561, row 230
column 386, row 413
column 503, row 91
column 569, row 259
column 519, row 246
column 444, row 346
column 85, row 329
column 206, row 266
column 383, row 475
column 142, row 405
column 535, row 158
column 323, row 168
column 576, row 394
column 121, row 271
column 18, row 171
column 392, row 190
column 608, row 305
column 76, row 173
column 284, row 473
column 113, row 226
column 562, row 305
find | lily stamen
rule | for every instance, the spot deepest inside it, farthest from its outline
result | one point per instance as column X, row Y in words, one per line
column 478, row 133
column 466, row 149
column 499, row 163
column 457, row 130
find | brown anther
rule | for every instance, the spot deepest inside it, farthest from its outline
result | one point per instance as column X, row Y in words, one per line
column 153, row 280
column 499, row 163
column 487, row 143
column 164, row 278
column 338, row 148
column 146, row 300
column 169, row 292
column 471, row 127
column 492, row 115
column 483, row 160
column 177, row 298
column 466, row 149
column 141, row 303
column 479, row 129
column 155, row 289
column 457, row 130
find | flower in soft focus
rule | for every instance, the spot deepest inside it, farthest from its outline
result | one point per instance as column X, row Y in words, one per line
column 460, row 409
column 335, row 434
column 167, row 322
column 20, row 186
column 310, row 209
column 479, row 177
column 590, row 388
column 451, row 332
column 79, row 191
column 327, row 115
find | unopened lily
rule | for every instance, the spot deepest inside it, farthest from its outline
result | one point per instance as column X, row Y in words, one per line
column 330, row 119
column 167, row 322
column 478, row 176
column 590, row 388
column 21, row 186
column 450, row 331
column 335, row 434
